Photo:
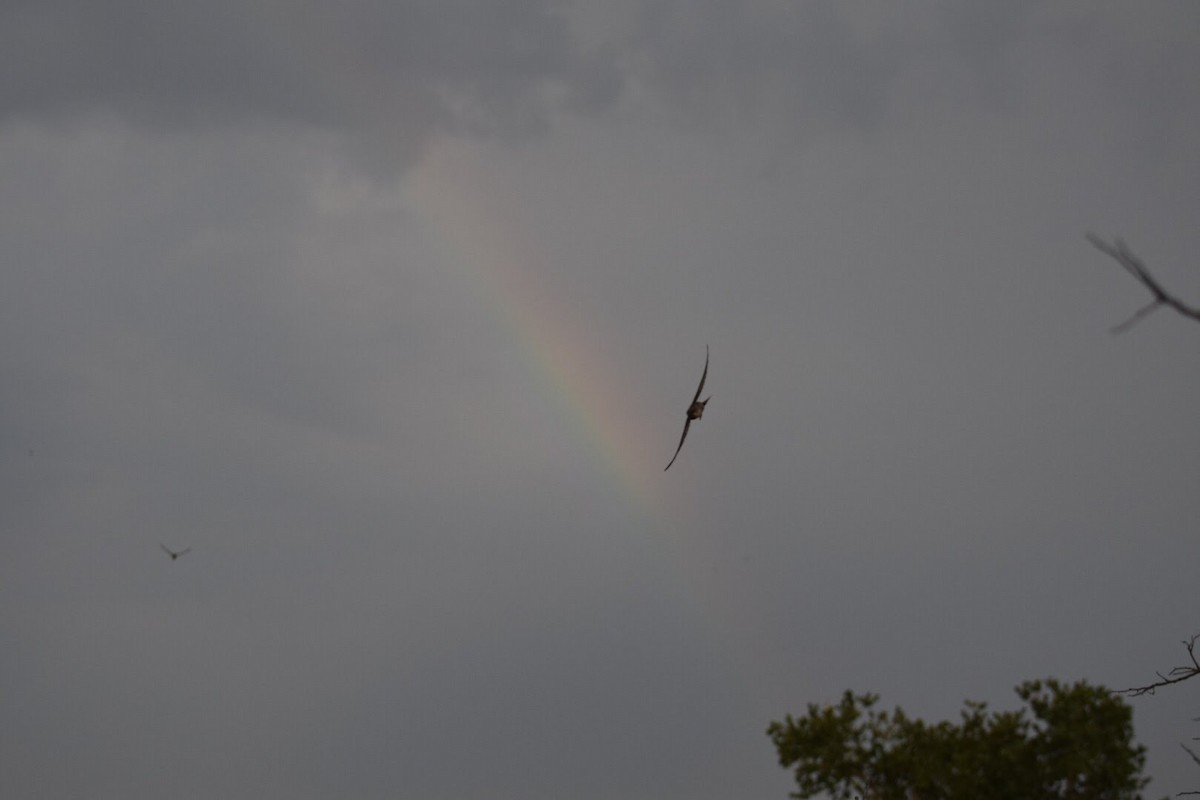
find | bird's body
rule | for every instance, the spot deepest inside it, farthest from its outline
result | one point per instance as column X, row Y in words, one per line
column 175, row 554
column 694, row 411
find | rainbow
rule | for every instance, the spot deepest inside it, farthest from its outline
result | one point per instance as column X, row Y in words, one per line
column 502, row 261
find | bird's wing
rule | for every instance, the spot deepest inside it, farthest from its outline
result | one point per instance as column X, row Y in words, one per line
column 185, row 551
column 166, row 549
column 703, row 377
column 686, row 425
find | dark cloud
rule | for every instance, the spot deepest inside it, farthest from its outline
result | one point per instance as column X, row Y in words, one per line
column 827, row 69
column 388, row 73
column 805, row 61
column 388, row 76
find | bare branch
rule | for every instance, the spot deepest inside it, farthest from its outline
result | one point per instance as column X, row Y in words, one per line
column 1133, row 265
column 1176, row 675
column 1195, row 758
column 1143, row 311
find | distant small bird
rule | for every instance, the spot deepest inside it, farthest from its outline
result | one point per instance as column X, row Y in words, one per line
column 695, row 410
column 174, row 554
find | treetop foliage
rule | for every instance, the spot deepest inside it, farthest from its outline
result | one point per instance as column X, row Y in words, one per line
column 1069, row 743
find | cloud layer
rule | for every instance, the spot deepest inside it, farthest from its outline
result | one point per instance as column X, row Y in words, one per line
column 392, row 311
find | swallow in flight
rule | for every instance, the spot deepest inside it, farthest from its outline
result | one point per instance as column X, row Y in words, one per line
column 174, row 554
column 695, row 410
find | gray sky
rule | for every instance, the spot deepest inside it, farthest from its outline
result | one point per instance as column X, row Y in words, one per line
column 391, row 312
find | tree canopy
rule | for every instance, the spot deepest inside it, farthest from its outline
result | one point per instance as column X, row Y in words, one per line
column 1070, row 742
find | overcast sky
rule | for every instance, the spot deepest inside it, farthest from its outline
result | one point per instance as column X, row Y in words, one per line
column 391, row 312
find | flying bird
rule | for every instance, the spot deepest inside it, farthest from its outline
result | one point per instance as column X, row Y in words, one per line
column 695, row 410
column 174, row 554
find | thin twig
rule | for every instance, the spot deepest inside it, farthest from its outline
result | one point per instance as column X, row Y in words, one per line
column 1133, row 265
column 1176, row 675
column 1195, row 758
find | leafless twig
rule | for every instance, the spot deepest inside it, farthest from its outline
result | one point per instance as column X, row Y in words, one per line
column 1137, row 269
column 1176, row 675
column 1195, row 758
